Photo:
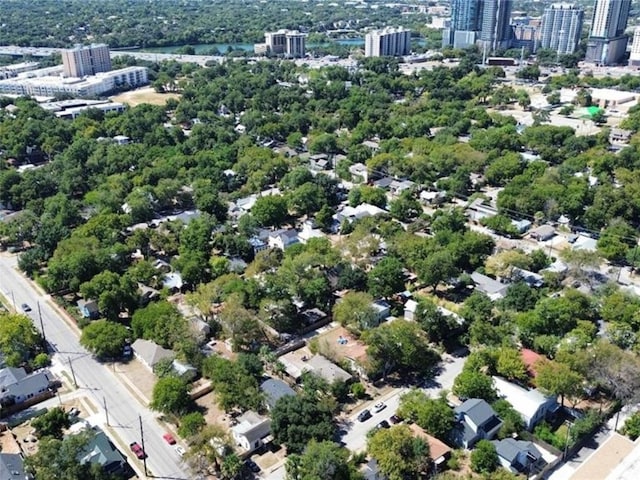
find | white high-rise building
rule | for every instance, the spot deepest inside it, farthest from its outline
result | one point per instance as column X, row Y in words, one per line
column 290, row 43
column 561, row 27
column 295, row 44
column 634, row 58
column 81, row 61
column 607, row 41
column 389, row 42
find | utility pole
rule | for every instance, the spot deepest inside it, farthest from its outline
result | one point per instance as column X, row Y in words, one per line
column 106, row 410
column 44, row 337
column 144, row 457
column 73, row 374
column 13, row 299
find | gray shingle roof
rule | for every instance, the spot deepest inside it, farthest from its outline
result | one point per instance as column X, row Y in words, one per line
column 478, row 411
column 274, row 390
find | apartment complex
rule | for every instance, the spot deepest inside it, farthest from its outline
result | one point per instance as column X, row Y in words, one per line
column 82, row 61
column 389, row 42
column 607, row 42
column 485, row 21
column 561, row 27
column 634, row 58
column 290, row 43
column 30, row 83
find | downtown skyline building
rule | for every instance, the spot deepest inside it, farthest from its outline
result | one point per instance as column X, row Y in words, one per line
column 389, row 42
column 486, row 23
column 634, row 58
column 561, row 28
column 607, row 42
column 85, row 60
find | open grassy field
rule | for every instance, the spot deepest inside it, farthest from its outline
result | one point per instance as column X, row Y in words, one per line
column 144, row 95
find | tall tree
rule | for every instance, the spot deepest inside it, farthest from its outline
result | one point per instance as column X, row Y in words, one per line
column 399, row 454
column 321, row 461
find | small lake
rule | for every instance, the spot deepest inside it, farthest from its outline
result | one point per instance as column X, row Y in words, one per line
column 206, row 48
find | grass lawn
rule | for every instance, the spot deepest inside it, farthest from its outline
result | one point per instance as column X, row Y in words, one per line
column 144, row 95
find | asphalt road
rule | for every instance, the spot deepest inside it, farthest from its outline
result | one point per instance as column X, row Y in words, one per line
column 99, row 382
column 355, row 436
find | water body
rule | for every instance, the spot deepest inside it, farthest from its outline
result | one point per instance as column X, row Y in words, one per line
column 205, row 48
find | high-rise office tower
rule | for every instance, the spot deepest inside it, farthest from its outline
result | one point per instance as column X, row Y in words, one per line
column 634, row 58
column 495, row 31
column 607, row 41
column 465, row 23
column 391, row 42
column 81, row 60
column 295, row 44
column 561, row 27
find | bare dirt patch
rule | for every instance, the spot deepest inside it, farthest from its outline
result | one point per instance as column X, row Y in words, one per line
column 144, row 95
column 137, row 378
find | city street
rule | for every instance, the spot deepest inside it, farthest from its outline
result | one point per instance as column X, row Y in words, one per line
column 355, row 438
column 96, row 379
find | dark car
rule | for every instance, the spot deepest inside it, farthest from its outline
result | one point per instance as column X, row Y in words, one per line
column 253, row 466
column 383, row 424
column 25, row 307
column 395, row 419
column 364, row 415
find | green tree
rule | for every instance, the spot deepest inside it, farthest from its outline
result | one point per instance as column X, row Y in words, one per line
column 270, row 210
column 160, row 322
column 171, row 396
column 355, row 310
column 484, row 458
column 234, row 386
column 558, row 379
column 399, row 346
column 510, row 364
column 297, row 420
column 470, row 384
column 321, row 461
column 437, row 268
column 631, row 427
column 386, row 278
column 433, row 415
column 104, row 339
column 405, row 207
column 52, row 423
column 18, row 338
column 191, row 424
column 399, row 454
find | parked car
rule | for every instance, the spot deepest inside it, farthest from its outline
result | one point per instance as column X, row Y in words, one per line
column 137, row 450
column 74, row 412
column 180, row 450
column 25, row 308
column 364, row 415
column 253, row 466
column 395, row 419
column 378, row 407
column 383, row 424
column 169, row 439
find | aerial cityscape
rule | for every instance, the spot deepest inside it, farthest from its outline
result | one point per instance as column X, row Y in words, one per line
column 308, row 240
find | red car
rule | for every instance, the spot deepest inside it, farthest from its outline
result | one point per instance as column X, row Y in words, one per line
column 169, row 439
column 137, row 449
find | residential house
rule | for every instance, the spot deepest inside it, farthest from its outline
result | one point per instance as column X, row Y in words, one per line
column 398, row 186
column 309, row 231
column 476, row 420
column 490, row 287
column 530, row 359
column 382, row 309
column 543, row 233
column 371, row 144
column 12, row 467
column 282, row 239
column 252, row 431
column 275, row 389
column 359, row 172
column 620, row 136
column 384, row 183
column 313, row 318
column 522, row 226
column 257, row 244
column 410, row 308
column 88, row 309
column 519, row 456
column 101, row 451
column 319, row 162
column 439, row 452
column 432, row 198
column 173, row 282
column 534, row 280
column 345, row 348
column 17, row 387
column 150, row 353
column 363, row 210
column 532, row 405
column 478, row 210
column 302, row 360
